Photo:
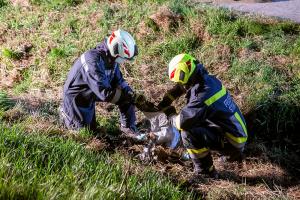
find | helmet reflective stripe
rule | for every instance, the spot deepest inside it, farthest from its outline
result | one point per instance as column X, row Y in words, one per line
column 121, row 43
column 181, row 68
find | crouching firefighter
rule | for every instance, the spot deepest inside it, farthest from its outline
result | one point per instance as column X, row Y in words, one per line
column 96, row 77
column 209, row 119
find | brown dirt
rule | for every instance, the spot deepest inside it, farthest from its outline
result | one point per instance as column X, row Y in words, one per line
column 14, row 114
column 198, row 29
column 20, row 3
column 96, row 145
column 9, row 78
column 246, row 53
column 165, row 19
column 143, row 30
column 95, row 18
column 257, row 177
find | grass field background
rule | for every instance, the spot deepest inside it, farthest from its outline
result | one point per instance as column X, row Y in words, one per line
column 257, row 59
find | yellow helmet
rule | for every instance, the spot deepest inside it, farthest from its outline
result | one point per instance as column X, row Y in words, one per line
column 181, row 67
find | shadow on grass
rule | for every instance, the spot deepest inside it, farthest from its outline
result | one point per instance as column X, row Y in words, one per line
column 275, row 126
column 271, row 181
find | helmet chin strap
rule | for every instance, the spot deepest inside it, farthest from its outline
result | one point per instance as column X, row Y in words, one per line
column 120, row 60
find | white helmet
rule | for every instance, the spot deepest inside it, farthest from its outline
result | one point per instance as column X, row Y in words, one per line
column 121, row 44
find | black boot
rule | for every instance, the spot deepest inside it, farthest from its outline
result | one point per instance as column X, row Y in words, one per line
column 204, row 167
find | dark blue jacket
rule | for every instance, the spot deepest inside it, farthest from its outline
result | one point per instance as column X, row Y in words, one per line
column 208, row 99
column 94, row 77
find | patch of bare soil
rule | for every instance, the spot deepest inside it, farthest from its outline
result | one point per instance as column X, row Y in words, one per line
column 14, row 114
column 96, row 144
column 166, row 19
column 20, row 3
column 198, row 29
column 247, row 53
column 256, row 177
column 8, row 78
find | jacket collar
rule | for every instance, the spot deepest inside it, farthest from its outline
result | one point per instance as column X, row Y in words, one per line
column 198, row 76
column 105, row 54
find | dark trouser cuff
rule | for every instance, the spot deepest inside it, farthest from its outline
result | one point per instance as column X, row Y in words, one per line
column 203, row 165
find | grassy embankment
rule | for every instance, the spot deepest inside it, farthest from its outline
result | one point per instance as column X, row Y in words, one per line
column 258, row 61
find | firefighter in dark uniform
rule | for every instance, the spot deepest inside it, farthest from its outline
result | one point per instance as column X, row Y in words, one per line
column 96, row 77
column 210, row 116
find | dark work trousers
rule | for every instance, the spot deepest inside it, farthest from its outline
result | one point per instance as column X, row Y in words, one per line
column 198, row 142
column 77, row 117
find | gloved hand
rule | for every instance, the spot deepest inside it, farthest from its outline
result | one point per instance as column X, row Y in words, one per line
column 138, row 98
column 169, row 111
column 126, row 97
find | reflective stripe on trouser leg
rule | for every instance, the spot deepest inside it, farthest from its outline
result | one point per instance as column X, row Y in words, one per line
column 195, row 148
column 238, row 142
column 198, row 153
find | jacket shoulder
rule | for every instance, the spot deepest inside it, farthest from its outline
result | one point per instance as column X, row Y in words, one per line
column 91, row 56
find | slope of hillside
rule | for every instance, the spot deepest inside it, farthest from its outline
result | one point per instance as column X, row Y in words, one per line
column 257, row 59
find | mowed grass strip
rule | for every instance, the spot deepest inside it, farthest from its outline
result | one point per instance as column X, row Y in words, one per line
column 40, row 167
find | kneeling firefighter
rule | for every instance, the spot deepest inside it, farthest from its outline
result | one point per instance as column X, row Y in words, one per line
column 209, row 119
column 96, row 77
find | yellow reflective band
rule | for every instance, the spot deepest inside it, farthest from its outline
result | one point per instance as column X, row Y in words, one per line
column 211, row 168
column 238, row 117
column 215, row 97
column 238, row 140
column 170, row 97
column 197, row 151
column 177, row 122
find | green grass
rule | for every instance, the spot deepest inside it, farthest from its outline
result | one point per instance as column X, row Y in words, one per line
column 3, row 3
column 49, row 167
column 10, row 54
column 5, row 102
column 56, row 4
column 267, row 77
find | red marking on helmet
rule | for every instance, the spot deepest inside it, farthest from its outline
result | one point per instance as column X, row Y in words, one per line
column 189, row 64
column 112, row 37
column 125, row 46
column 127, row 52
column 172, row 74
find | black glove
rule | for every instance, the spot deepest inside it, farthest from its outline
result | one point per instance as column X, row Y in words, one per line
column 139, row 99
column 166, row 102
column 170, row 110
column 126, row 97
column 132, row 97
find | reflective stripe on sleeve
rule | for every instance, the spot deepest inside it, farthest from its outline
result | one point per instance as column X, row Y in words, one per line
column 215, row 97
column 198, row 153
column 117, row 96
column 238, row 117
column 83, row 62
column 170, row 97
